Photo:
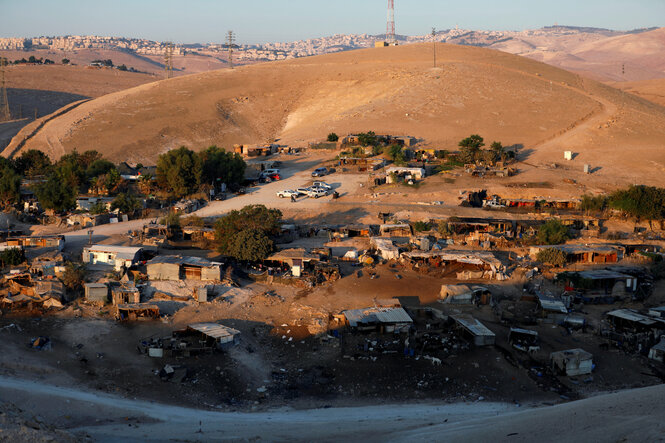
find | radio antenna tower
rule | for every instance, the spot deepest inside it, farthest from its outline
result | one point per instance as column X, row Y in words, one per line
column 168, row 59
column 4, row 103
column 390, row 28
column 230, row 40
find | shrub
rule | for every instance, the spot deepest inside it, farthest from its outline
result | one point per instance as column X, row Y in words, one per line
column 74, row 276
column 421, row 226
column 12, row 257
column 552, row 233
column 332, row 137
column 552, row 256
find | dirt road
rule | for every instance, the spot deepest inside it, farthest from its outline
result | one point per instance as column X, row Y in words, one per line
column 636, row 417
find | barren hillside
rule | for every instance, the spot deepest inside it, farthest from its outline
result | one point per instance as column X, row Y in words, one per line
column 389, row 90
column 653, row 90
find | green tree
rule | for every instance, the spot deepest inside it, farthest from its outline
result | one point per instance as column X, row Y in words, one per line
column 219, row 166
column 126, row 202
column 12, row 257
column 56, row 193
column 74, row 276
column 172, row 220
column 250, row 245
column 99, row 167
column 594, row 203
column 332, row 137
column 179, row 172
column 552, row 232
column 65, row 61
column 396, row 154
column 253, row 217
column 444, row 229
column 368, row 139
column 470, row 148
column 99, row 208
column 421, row 226
column 641, row 202
column 10, row 186
column 552, row 256
column 32, row 163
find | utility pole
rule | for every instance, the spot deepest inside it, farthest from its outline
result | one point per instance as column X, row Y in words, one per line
column 434, row 44
column 390, row 27
column 168, row 59
column 4, row 102
column 230, row 40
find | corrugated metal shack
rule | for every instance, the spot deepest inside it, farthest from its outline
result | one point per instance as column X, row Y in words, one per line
column 572, row 362
column 176, row 267
column 377, row 318
column 96, row 292
column 216, row 335
column 473, row 328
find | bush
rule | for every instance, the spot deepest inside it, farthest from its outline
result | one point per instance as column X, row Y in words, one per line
column 332, row 137
column 99, row 208
column 552, row 233
column 250, row 245
column 421, row 226
column 126, row 202
column 552, row 256
column 444, row 229
column 591, row 203
column 10, row 187
column 368, row 139
column 74, row 276
column 12, row 257
column 172, row 219
column 253, row 217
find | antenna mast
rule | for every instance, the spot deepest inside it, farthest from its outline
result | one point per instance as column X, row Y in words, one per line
column 168, row 59
column 230, row 40
column 4, row 103
column 390, row 28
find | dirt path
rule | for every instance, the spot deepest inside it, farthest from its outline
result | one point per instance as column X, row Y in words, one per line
column 632, row 415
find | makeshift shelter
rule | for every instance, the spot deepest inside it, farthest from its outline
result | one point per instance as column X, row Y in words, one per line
column 467, row 264
column 551, row 306
column 524, row 340
column 297, row 259
column 41, row 241
column 96, row 292
column 216, row 335
column 111, row 255
column 126, row 293
column 384, row 319
column 572, row 362
column 176, row 267
column 584, row 253
column 463, row 294
column 475, row 330
column 628, row 320
column 657, row 352
column 135, row 311
column 385, row 247
column 395, row 230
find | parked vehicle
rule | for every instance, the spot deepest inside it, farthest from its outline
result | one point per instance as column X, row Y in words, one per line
column 271, row 171
column 303, row 191
column 288, row 193
column 322, row 185
column 316, row 193
column 320, row 172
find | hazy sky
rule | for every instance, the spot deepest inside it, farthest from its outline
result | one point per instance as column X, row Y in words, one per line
column 256, row 21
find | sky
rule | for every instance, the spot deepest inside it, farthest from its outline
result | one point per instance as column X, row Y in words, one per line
column 260, row 21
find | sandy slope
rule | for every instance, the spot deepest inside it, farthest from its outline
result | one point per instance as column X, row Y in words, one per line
column 652, row 90
column 389, row 90
column 633, row 415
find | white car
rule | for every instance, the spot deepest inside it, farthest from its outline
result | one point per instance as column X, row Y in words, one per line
column 322, row 185
column 288, row 193
column 303, row 191
column 316, row 193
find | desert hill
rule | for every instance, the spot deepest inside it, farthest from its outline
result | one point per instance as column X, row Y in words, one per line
column 43, row 89
column 653, row 90
column 599, row 55
column 389, row 90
